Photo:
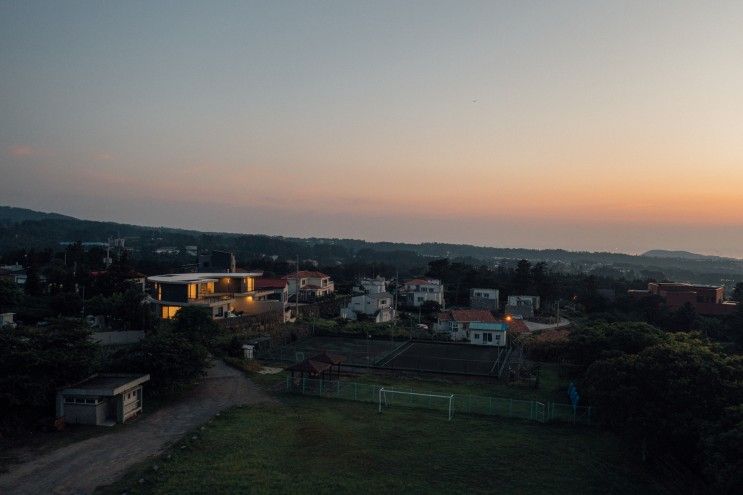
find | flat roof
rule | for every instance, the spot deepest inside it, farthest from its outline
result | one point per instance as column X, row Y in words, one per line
column 107, row 384
column 492, row 327
column 185, row 278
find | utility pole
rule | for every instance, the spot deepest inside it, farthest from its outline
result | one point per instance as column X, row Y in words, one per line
column 296, row 291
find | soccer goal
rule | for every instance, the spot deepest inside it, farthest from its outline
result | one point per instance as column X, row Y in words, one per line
column 387, row 396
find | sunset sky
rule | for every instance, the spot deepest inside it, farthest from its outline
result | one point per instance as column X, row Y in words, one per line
column 588, row 125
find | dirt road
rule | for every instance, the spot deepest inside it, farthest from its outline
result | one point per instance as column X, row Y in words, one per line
column 80, row 467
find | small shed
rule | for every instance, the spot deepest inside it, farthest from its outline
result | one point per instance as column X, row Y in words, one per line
column 331, row 359
column 102, row 399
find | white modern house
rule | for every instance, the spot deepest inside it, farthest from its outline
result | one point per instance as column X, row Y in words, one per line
column 371, row 300
column 522, row 306
column 484, row 299
column 310, row 285
column 488, row 333
column 224, row 294
column 418, row 291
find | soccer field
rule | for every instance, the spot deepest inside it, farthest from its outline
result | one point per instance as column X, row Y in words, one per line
column 316, row 446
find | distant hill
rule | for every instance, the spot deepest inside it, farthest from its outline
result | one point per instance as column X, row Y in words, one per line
column 681, row 255
column 27, row 229
column 11, row 214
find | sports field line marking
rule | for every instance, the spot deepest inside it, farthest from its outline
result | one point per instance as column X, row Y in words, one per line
column 385, row 360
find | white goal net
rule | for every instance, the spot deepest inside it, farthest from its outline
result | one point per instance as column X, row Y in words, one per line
column 389, row 397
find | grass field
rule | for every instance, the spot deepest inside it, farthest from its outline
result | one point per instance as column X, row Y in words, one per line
column 311, row 445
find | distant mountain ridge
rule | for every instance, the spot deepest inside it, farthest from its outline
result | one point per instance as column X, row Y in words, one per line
column 27, row 229
column 11, row 214
column 682, row 255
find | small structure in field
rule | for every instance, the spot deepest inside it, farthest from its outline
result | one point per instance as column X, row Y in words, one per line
column 103, row 399
column 313, row 369
column 331, row 359
column 319, row 366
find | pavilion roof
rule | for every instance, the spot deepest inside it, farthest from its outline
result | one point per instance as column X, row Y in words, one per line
column 309, row 366
column 326, row 357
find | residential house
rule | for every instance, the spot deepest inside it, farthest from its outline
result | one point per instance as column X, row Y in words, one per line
column 309, row 286
column 522, row 306
column 225, row 294
column 484, row 299
column 15, row 273
column 488, row 334
column 273, row 289
column 456, row 322
column 418, row 291
column 705, row 299
column 377, row 307
column 375, row 285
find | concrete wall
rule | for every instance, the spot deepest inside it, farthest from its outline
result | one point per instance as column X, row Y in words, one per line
column 85, row 414
column 117, row 338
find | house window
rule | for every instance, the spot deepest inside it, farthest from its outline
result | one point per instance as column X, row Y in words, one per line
column 192, row 291
column 220, row 311
column 497, row 338
column 167, row 312
column 477, row 336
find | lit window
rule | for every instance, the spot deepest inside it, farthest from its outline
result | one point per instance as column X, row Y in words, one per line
column 168, row 312
column 192, row 291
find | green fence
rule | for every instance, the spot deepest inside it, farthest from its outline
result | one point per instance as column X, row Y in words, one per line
column 462, row 404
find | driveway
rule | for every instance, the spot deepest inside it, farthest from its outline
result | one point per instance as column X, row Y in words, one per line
column 80, row 467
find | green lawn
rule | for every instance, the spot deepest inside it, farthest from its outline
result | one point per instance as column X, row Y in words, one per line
column 315, row 445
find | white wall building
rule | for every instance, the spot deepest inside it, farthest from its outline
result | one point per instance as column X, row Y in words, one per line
column 375, row 285
column 484, row 299
column 378, row 307
column 418, row 291
column 523, row 306
column 312, row 285
column 488, row 334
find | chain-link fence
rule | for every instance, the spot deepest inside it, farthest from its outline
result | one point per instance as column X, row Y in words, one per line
column 462, row 404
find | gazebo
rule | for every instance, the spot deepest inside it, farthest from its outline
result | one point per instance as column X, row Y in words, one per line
column 314, row 369
column 331, row 359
